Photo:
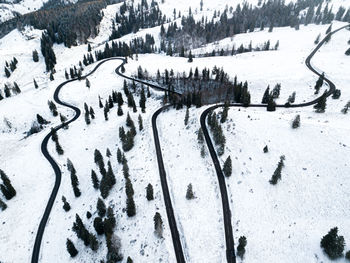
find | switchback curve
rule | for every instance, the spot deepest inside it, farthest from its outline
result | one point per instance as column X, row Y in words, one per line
column 53, row 163
column 230, row 251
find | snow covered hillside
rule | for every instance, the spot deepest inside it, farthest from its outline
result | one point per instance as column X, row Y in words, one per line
column 282, row 223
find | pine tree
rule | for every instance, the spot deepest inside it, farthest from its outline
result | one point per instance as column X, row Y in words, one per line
column 80, row 230
column 63, row 119
column 149, row 192
column 16, row 89
column 3, row 205
column 71, row 248
column 110, row 175
column 101, row 207
column 317, row 40
column 347, row 52
column 266, row 96
column 111, row 217
column 200, row 137
column 143, row 101
column 140, row 122
column 130, row 207
column 105, row 112
column 158, row 225
column 7, row 91
column 119, row 155
column 241, row 246
column 98, row 225
column 203, row 153
column 41, row 120
column 227, row 167
column 296, row 122
column 95, row 181
column 346, row 108
column 120, row 100
column 98, row 159
column 271, row 104
column 87, row 83
column 320, row 106
column 100, row 102
column 7, row 72
column 120, row 111
column 319, row 83
column 93, row 242
column 88, row 215
column 189, row 192
column 74, row 178
column 129, row 190
column 108, row 153
column 277, row 174
column 92, row 113
column 66, row 205
column 35, row 56
column 35, row 84
column 187, row 117
column 190, row 57
column 129, row 260
column 59, row 149
column 333, row 244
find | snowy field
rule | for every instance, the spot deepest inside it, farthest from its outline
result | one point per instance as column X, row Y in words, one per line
column 282, row 223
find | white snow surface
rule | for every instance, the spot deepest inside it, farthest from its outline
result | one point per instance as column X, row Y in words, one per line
column 283, row 223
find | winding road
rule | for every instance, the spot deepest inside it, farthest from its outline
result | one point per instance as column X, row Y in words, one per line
column 230, row 247
column 230, row 254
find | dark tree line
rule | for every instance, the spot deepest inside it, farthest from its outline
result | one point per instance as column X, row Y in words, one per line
column 10, row 67
column 131, row 18
column 246, row 18
column 199, row 87
column 47, row 51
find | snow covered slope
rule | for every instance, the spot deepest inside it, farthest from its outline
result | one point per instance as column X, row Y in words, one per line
column 283, row 223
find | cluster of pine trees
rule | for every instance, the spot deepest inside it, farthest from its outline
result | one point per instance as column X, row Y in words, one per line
column 277, row 174
column 131, row 18
column 199, row 87
column 246, row 18
column 218, row 135
column 82, row 233
column 74, row 178
column 10, row 90
column 10, row 67
column 108, row 178
column 158, row 225
column 6, row 188
column 127, row 138
column 89, row 114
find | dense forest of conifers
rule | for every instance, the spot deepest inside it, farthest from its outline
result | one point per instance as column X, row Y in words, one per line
column 65, row 23
column 72, row 24
column 245, row 18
